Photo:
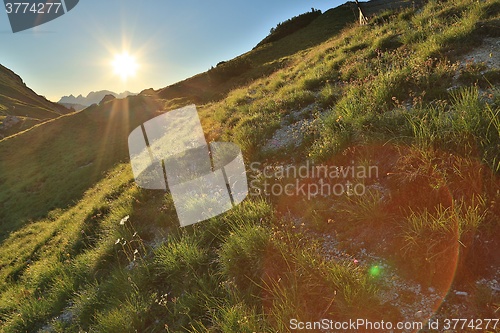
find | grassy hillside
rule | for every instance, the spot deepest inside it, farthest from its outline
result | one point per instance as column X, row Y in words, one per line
column 260, row 62
column 51, row 165
column 18, row 100
column 85, row 249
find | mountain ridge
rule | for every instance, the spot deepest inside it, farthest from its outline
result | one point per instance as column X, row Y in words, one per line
column 93, row 97
column 21, row 103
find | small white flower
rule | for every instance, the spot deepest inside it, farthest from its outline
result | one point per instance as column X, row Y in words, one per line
column 125, row 219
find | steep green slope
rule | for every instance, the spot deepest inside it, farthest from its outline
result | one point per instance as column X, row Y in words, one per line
column 18, row 100
column 290, row 26
column 261, row 61
column 396, row 95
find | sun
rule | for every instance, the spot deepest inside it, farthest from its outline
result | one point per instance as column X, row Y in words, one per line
column 125, row 65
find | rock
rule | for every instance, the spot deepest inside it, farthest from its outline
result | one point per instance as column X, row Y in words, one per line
column 419, row 314
column 147, row 92
column 461, row 293
column 107, row 98
column 9, row 121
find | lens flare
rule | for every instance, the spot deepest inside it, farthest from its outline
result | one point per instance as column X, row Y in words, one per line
column 375, row 271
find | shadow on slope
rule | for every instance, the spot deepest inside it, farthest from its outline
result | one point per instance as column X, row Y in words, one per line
column 51, row 165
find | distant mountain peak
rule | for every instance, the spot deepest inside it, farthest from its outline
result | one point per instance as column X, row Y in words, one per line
column 93, row 97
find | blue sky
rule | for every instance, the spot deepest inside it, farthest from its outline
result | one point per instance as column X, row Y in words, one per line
column 171, row 40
